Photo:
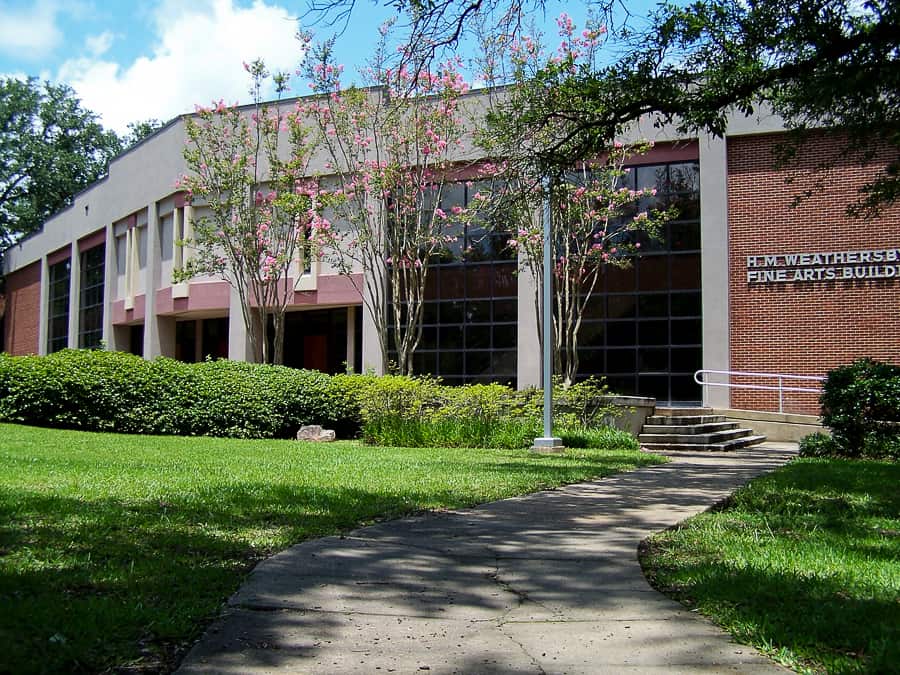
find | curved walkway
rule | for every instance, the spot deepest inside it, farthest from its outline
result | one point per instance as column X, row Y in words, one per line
column 546, row 583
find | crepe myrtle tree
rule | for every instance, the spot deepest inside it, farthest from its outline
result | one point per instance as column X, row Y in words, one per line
column 595, row 220
column 260, row 207
column 389, row 149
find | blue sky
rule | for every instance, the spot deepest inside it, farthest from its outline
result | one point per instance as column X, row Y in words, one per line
column 158, row 58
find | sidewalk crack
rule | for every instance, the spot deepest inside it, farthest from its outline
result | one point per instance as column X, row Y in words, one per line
column 522, row 596
column 534, row 661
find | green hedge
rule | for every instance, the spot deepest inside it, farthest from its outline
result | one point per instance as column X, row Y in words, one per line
column 113, row 391
column 861, row 407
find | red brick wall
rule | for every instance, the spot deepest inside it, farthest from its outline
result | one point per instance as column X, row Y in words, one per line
column 23, row 302
column 807, row 327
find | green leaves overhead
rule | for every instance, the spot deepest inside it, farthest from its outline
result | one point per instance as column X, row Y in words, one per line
column 50, row 148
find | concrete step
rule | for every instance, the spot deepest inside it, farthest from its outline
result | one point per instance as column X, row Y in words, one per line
column 684, row 420
column 680, row 412
column 690, row 429
column 725, row 446
column 696, row 439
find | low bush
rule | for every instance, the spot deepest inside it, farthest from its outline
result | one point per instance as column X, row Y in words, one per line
column 113, row 391
column 583, row 405
column 861, row 407
column 818, row 445
column 876, row 446
column 600, row 438
column 420, row 411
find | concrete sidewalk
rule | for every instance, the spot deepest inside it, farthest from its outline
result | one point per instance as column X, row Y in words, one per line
column 546, row 583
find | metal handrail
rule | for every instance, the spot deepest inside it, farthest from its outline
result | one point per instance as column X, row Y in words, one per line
column 780, row 388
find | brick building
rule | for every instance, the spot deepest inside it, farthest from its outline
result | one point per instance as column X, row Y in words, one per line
column 748, row 278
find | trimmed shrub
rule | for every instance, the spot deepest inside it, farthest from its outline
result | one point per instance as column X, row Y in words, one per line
column 91, row 390
column 112, row 391
column 584, row 404
column 818, row 445
column 861, row 406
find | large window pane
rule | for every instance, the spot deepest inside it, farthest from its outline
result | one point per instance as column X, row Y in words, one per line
column 58, row 314
column 90, row 320
column 656, row 354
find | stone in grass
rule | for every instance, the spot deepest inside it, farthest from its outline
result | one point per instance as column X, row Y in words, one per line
column 314, row 432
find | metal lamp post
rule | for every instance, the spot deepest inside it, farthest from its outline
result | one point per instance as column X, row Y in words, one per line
column 547, row 442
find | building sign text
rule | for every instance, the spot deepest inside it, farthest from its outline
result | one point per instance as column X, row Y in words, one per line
column 835, row 266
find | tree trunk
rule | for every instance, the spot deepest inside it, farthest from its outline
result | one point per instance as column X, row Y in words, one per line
column 278, row 321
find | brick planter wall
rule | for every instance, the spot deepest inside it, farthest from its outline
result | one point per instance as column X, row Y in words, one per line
column 804, row 327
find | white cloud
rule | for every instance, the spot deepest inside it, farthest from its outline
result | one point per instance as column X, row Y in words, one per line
column 30, row 32
column 98, row 45
column 195, row 56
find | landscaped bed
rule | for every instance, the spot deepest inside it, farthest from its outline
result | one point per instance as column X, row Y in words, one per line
column 116, row 550
column 804, row 564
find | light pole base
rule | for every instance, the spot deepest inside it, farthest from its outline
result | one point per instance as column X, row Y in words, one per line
column 548, row 445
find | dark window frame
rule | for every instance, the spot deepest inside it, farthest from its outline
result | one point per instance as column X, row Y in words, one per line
column 477, row 251
column 606, row 358
column 91, row 305
column 58, row 293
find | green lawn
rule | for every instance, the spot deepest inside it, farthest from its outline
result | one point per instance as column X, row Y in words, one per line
column 116, row 550
column 803, row 563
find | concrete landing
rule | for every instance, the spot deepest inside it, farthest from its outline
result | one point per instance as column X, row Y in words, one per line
column 546, row 583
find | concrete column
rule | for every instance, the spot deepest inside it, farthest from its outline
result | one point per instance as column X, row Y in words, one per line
column 714, row 262
column 44, row 309
column 166, row 328
column 154, row 344
column 128, row 291
column 239, row 348
column 122, row 338
column 187, row 234
column 74, row 295
column 528, row 345
column 179, row 252
column 351, row 338
column 109, row 289
column 371, row 349
column 132, row 264
column 177, row 237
